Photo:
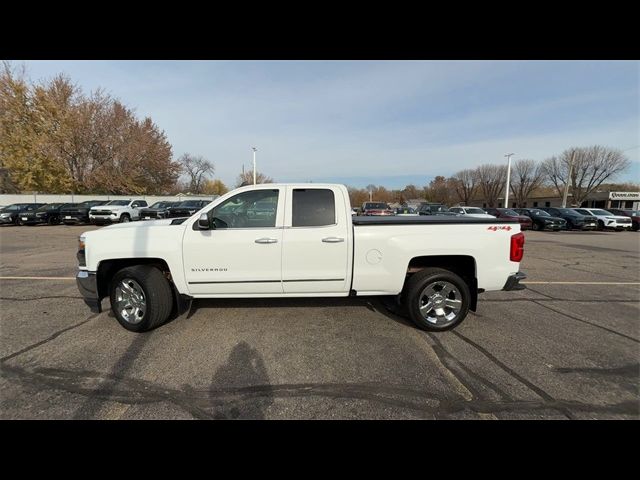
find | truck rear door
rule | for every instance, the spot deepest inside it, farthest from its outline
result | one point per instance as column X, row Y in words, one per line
column 316, row 241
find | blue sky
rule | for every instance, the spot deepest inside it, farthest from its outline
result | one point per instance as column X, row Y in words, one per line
column 380, row 122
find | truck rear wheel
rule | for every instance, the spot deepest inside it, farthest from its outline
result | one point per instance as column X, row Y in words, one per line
column 141, row 297
column 437, row 299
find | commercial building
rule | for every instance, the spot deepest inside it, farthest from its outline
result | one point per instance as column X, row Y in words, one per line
column 598, row 199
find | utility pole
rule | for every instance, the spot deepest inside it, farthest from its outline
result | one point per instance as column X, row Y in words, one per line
column 506, row 195
column 254, row 164
column 566, row 188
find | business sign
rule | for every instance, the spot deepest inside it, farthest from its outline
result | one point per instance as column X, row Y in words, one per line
column 624, row 195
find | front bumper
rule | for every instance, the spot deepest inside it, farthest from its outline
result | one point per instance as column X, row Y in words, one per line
column 74, row 218
column 513, row 282
column 6, row 220
column 88, row 285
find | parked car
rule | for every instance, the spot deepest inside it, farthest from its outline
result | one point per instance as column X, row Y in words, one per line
column 157, row 210
column 376, row 208
column 46, row 214
column 116, row 211
column 11, row 214
column 541, row 220
column 471, row 212
column 314, row 247
column 434, row 209
column 509, row 214
column 574, row 219
column 634, row 215
column 355, row 211
column 406, row 212
column 186, row 208
column 607, row 219
column 78, row 212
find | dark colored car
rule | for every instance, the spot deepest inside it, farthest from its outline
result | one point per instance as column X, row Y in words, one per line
column 574, row 219
column 186, row 208
column 11, row 214
column 74, row 213
column 509, row 214
column 434, row 209
column 376, row 208
column 633, row 214
column 157, row 210
column 47, row 214
column 542, row 220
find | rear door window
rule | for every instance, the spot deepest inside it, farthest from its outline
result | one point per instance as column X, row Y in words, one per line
column 313, row 207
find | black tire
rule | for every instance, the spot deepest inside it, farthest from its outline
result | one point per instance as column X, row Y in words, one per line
column 600, row 225
column 535, row 226
column 19, row 222
column 54, row 221
column 157, row 292
column 421, row 280
column 125, row 218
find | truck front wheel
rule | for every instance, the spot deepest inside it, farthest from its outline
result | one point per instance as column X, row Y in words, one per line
column 141, row 297
column 437, row 299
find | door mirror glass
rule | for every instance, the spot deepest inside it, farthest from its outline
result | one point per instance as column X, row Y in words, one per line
column 203, row 222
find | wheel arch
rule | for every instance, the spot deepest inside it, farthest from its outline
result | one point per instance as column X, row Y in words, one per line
column 462, row 265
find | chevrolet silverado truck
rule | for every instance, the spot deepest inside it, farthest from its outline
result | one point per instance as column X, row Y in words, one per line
column 305, row 243
column 114, row 211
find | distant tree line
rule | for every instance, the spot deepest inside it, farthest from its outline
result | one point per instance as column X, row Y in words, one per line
column 587, row 168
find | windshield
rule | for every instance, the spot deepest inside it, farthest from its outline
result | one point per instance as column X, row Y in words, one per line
column 508, row 211
column 598, row 211
column 567, row 211
column 161, row 205
column 379, row 206
column 189, row 203
column 475, row 211
column 119, row 202
column 539, row 213
column 14, row 207
column 51, row 206
column 93, row 203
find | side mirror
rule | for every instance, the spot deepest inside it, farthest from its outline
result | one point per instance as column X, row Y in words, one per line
column 203, row 222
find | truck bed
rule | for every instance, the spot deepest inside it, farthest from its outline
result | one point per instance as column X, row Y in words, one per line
column 425, row 220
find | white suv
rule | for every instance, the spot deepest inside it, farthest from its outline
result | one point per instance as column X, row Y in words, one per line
column 606, row 219
column 116, row 211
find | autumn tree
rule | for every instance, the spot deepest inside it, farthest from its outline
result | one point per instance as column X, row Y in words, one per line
column 465, row 183
column 214, row 187
column 246, row 178
column 589, row 167
column 526, row 177
column 491, row 181
column 56, row 139
column 441, row 190
column 411, row 192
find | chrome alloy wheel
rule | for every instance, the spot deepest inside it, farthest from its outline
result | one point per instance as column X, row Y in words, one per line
column 440, row 302
column 130, row 301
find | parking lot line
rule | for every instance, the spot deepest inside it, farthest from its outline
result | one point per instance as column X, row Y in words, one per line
column 580, row 283
column 37, row 278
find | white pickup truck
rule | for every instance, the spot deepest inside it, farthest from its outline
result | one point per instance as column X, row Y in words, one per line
column 297, row 240
column 116, row 211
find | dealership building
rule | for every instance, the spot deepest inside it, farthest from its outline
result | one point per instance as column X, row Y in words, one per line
column 599, row 199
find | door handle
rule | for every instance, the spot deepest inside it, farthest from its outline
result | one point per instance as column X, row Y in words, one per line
column 266, row 240
column 333, row 240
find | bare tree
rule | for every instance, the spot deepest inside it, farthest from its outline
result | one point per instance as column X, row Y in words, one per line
column 196, row 168
column 491, row 180
column 246, row 178
column 591, row 167
column 466, row 184
column 526, row 176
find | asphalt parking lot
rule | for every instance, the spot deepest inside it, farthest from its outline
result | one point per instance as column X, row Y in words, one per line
column 568, row 347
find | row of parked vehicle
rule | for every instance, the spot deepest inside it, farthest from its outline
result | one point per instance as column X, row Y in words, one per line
column 543, row 218
column 97, row 212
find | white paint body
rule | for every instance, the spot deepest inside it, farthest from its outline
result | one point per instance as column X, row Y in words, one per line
column 469, row 212
column 301, row 261
column 610, row 220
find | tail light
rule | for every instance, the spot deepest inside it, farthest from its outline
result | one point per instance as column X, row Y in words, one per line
column 517, row 247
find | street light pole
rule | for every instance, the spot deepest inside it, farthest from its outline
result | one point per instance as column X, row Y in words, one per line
column 566, row 188
column 506, row 195
column 254, row 164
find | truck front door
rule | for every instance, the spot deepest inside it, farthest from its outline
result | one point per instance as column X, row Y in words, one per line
column 243, row 253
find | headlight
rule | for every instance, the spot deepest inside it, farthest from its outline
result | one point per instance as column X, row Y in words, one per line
column 5, row 215
column 82, row 261
column 40, row 214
